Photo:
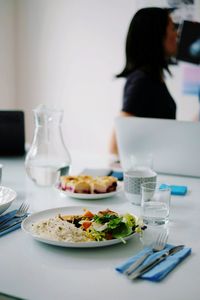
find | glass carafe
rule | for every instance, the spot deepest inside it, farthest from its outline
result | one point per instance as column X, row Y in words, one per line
column 48, row 157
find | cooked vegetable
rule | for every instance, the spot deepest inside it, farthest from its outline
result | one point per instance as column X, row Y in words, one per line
column 88, row 214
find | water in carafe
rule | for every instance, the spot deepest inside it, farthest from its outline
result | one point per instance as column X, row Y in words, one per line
column 48, row 157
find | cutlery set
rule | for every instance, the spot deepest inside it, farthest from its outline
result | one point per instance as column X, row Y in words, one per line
column 157, row 246
column 11, row 219
column 138, row 271
column 152, row 256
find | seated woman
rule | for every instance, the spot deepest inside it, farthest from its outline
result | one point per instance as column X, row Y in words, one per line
column 151, row 42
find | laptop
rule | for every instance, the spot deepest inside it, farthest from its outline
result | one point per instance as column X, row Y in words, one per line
column 174, row 145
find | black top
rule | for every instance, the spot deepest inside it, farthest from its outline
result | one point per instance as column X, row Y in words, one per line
column 147, row 97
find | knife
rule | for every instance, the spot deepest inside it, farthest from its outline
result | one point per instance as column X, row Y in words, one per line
column 137, row 263
column 5, row 227
column 140, row 271
column 7, row 218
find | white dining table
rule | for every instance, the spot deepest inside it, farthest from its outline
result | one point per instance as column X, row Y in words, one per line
column 33, row 270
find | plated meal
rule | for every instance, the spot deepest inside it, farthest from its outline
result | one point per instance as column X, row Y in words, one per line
column 82, row 228
column 88, row 187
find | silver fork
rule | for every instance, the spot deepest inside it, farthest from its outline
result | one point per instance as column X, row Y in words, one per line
column 21, row 212
column 158, row 245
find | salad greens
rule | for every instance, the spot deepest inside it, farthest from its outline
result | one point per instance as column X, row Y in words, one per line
column 115, row 225
column 107, row 225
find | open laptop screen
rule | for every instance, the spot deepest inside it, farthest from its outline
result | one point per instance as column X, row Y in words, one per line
column 174, row 145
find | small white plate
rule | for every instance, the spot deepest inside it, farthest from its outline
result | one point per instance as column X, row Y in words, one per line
column 90, row 196
column 7, row 196
column 70, row 210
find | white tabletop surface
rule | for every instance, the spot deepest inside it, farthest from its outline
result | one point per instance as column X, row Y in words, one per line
column 33, row 270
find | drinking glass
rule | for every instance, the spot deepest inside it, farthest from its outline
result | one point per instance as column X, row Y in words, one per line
column 140, row 170
column 155, row 203
column 132, row 183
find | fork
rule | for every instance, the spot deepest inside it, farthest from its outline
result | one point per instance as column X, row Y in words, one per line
column 21, row 212
column 157, row 246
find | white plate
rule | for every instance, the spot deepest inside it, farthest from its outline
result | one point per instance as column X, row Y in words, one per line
column 7, row 196
column 42, row 215
column 90, row 196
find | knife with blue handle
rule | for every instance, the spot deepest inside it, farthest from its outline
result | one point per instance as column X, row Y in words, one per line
column 140, row 271
column 7, row 219
column 10, row 225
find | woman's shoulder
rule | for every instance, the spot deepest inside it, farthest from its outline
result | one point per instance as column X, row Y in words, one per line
column 138, row 76
column 138, row 79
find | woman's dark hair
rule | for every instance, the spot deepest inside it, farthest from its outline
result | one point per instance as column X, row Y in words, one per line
column 144, row 42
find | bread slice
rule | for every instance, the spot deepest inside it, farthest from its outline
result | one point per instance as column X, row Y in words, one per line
column 82, row 187
column 98, row 187
column 110, row 182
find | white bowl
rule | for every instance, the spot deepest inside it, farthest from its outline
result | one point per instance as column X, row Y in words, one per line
column 7, row 196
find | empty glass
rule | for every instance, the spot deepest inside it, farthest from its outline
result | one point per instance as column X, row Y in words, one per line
column 48, row 157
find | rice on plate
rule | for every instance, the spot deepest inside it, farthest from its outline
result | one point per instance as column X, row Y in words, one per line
column 59, row 230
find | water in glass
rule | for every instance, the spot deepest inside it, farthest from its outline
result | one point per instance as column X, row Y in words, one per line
column 155, row 204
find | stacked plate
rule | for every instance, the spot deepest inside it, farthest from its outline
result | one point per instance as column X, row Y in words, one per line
column 7, row 196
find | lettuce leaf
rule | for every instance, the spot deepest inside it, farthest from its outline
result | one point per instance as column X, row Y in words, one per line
column 121, row 231
column 129, row 220
column 104, row 219
column 112, row 224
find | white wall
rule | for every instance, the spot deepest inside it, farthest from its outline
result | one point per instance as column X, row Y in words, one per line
column 65, row 53
column 68, row 54
column 7, row 54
